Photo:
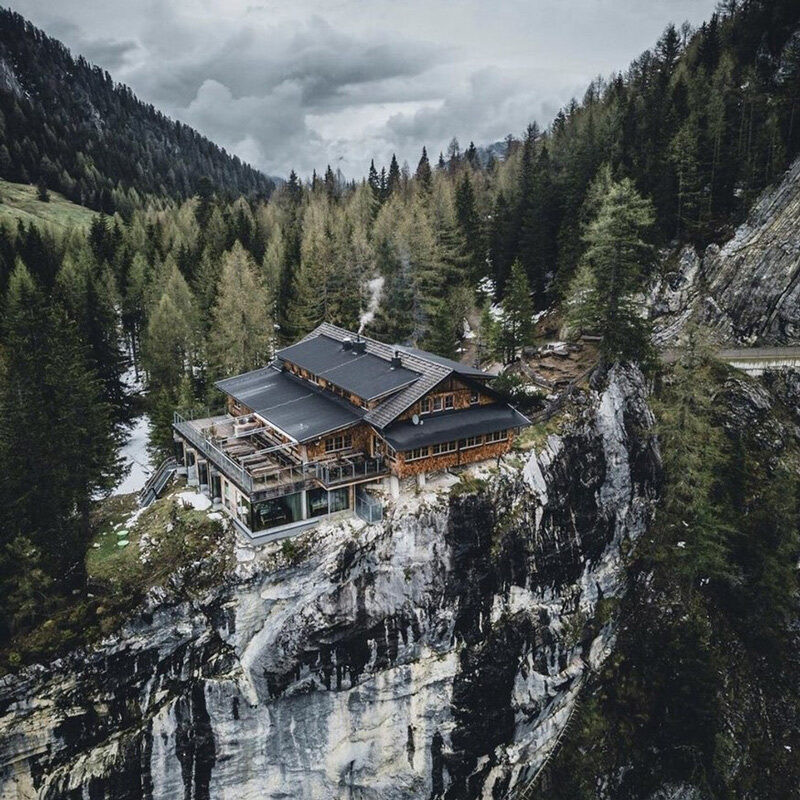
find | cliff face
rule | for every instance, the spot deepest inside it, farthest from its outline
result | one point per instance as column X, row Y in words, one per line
column 747, row 291
column 436, row 656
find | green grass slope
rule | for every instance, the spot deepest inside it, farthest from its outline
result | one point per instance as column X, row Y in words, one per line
column 18, row 201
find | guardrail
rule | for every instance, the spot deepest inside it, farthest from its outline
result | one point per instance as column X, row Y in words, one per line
column 223, row 461
column 369, row 508
column 331, row 474
column 288, row 479
column 157, row 481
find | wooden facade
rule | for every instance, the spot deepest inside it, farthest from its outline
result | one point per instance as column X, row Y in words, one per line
column 463, row 395
column 403, row 466
column 361, row 437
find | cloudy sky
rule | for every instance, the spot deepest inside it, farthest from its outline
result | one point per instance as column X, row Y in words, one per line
column 303, row 83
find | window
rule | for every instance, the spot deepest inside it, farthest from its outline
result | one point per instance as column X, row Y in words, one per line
column 437, row 403
column 497, row 436
column 473, row 398
column 470, row 441
column 334, row 443
column 317, row 500
column 280, row 511
column 448, row 401
column 425, row 405
column 339, row 499
column 444, row 447
column 417, row 452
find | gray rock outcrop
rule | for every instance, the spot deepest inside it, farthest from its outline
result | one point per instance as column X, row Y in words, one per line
column 438, row 655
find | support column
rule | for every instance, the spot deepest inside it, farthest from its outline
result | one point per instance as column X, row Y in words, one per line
column 182, row 458
column 420, row 480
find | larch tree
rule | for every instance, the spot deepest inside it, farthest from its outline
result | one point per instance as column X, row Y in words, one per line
column 241, row 332
column 170, row 339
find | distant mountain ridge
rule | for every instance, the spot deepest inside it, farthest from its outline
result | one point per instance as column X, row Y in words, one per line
column 66, row 123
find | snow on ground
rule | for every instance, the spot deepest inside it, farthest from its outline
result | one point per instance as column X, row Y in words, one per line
column 134, row 453
column 197, row 501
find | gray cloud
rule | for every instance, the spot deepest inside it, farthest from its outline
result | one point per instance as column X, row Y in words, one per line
column 315, row 82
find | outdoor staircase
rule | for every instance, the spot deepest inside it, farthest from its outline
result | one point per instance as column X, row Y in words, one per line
column 157, row 481
column 526, row 792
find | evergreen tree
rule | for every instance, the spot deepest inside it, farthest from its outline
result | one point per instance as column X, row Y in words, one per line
column 393, row 178
column 516, row 323
column 423, row 173
column 51, row 471
column 470, row 225
column 604, row 297
column 374, row 181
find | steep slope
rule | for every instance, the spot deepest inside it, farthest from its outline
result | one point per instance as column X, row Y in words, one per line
column 437, row 655
column 747, row 291
column 65, row 122
column 20, row 202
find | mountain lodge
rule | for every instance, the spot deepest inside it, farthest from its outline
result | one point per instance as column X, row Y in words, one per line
column 332, row 415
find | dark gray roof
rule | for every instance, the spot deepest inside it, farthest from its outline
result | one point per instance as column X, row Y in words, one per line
column 456, row 366
column 364, row 374
column 451, row 425
column 296, row 407
column 430, row 373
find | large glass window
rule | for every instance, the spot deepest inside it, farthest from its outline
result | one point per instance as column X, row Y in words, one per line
column 317, row 502
column 278, row 511
column 340, row 499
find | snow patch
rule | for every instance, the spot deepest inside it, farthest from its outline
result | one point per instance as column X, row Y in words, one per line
column 199, row 502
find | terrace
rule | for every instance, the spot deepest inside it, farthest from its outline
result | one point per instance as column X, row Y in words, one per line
column 256, row 459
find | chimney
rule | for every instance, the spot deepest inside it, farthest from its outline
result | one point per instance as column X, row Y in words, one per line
column 396, row 362
column 359, row 345
column 347, row 344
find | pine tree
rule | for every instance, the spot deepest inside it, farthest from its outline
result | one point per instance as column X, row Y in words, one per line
column 393, row 178
column 423, row 173
column 51, row 471
column 240, row 338
column 470, row 224
column 603, row 299
column 373, row 181
column 516, row 324
column 133, row 303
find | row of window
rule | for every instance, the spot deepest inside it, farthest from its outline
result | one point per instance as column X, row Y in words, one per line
column 341, row 442
column 443, row 402
column 451, row 447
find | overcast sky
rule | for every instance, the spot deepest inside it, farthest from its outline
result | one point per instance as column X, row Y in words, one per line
column 303, row 83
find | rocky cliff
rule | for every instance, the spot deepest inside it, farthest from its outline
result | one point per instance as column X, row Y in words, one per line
column 436, row 655
column 748, row 291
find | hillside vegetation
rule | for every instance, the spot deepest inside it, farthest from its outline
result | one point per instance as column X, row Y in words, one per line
column 19, row 202
column 65, row 123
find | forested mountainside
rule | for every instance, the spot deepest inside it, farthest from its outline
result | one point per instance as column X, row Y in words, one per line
column 410, row 256
column 66, row 125
column 503, row 602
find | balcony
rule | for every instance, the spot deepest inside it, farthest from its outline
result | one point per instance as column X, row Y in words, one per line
column 248, row 453
column 349, row 469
